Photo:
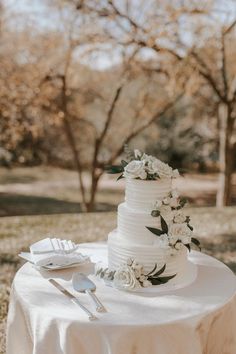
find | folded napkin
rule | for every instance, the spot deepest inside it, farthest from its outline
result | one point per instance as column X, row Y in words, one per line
column 55, row 252
column 56, row 245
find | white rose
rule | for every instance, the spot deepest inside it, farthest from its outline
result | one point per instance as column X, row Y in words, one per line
column 158, row 204
column 174, row 202
column 138, row 269
column 129, row 261
column 178, row 246
column 137, row 272
column 135, row 169
column 173, row 240
column 166, row 200
column 124, row 278
column 165, row 211
column 143, row 174
column 142, row 278
column 175, row 193
column 179, row 217
column 175, row 173
column 164, row 240
column 136, row 265
column 186, row 240
column 147, row 158
column 147, row 283
column 162, row 169
column 137, row 154
column 151, row 163
column 179, row 231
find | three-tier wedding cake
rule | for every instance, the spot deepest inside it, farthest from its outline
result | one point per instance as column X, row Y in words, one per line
column 153, row 235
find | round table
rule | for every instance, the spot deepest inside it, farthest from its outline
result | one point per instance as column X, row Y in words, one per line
column 197, row 319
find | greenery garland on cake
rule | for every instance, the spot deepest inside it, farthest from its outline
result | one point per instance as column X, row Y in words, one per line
column 175, row 229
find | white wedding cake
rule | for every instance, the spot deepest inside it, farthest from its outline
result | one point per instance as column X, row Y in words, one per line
column 153, row 235
column 133, row 240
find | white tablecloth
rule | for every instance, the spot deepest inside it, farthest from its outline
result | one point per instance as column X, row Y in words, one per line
column 198, row 319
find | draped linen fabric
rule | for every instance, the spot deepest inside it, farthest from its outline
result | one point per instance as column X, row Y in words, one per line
column 197, row 319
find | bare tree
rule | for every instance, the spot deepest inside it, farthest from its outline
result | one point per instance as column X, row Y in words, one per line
column 197, row 58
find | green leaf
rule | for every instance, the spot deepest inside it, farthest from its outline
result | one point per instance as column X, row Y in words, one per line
column 114, row 169
column 155, row 231
column 187, row 219
column 188, row 246
column 99, row 271
column 152, row 270
column 164, row 280
column 182, row 202
column 155, row 213
column 190, row 227
column 124, row 163
column 155, row 281
column 160, row 271
column 164, row 226
column 120, row 177
column 103, row 272
column 196, row 242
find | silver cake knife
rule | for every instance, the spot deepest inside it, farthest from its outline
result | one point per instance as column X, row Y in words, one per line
column 73, row 299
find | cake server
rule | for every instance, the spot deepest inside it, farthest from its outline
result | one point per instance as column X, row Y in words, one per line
column 83, row 284
column 72, row 298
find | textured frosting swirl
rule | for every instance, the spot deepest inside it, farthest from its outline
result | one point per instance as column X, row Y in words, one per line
column 142, row 195
column 148, row 255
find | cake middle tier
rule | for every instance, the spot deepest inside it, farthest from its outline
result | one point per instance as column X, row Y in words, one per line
column 119, row 251
column 132, row 225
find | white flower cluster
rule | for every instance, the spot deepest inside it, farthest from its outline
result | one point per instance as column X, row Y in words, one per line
column 127, row 277
column 148, row 167
column 179, row 231
column 130, row 276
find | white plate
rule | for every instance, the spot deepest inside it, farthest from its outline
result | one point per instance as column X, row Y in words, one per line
column 27, row 256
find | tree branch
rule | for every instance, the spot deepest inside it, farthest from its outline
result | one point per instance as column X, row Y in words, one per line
column 223, row 68
column 206, row 73
column 110, row 113
column 229, row 29
column 140, row 129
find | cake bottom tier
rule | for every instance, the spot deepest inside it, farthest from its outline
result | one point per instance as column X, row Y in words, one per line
column 147, row 255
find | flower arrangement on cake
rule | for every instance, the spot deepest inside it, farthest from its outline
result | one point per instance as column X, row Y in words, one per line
column 131, row 275
column 139, row 165
column 175, row 229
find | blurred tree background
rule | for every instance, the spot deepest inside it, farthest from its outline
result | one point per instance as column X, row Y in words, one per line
column 79, row 79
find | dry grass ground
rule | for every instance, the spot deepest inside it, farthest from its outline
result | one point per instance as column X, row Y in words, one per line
column 48, row 190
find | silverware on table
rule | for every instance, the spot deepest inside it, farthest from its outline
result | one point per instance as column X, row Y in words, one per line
column 83, row 284
column 72, row 298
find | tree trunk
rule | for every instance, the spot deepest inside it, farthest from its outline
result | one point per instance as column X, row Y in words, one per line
column 90, row 206
column 225, row 156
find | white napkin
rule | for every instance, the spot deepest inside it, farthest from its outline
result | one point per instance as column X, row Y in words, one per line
column 55, row 252
column 55, row 245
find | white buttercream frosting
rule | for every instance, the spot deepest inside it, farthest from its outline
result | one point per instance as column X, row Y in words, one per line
column 133, row 240
column 142, row 195
column 147, row 255
column 131, row 225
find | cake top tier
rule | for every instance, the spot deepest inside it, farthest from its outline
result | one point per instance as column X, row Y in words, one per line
column 142, row 195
